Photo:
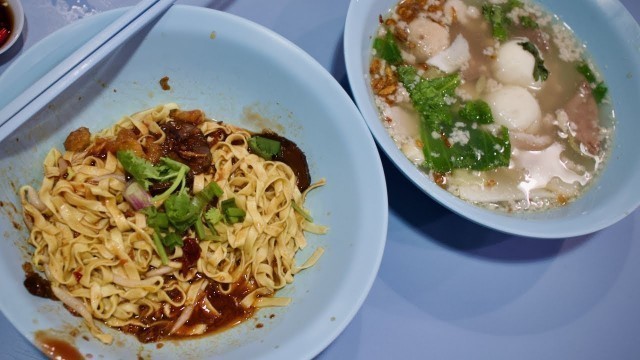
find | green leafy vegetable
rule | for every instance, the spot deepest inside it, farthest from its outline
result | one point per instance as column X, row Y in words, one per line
column 454, row 140
column 585, row 70
column 180, row 212
column 540, row 72
column 200, row 230
column 477, row 111
column 155, row 218
column 528, row 22
column 159, row 222
column 213, row 216
column 139, row 168
column 231, row 212
column 497, row 16
column 387, row 48
column 183, row 210
column 144, row 172
column 171, row 240
column 264, row 147
column 599, row 90
column 157, row 242
column 171, row 170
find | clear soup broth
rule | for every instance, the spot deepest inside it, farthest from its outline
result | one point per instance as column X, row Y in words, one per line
column 497, row 101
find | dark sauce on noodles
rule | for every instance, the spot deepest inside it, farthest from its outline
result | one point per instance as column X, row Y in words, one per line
column 293, row 156
column 230, row 313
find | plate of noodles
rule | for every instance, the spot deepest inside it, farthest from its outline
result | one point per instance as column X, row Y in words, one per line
column 208, row 189
column 516, row 114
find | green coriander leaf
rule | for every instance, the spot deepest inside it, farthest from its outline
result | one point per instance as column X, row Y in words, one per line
column 171, row 240
column 139, row 168
column 180, row 212
column 156, row 219
column 213, row 216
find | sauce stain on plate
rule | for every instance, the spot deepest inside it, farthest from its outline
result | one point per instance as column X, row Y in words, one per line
column 56, row 348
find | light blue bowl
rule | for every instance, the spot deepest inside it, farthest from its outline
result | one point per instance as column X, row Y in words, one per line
column 224, row 65
column 613, row 38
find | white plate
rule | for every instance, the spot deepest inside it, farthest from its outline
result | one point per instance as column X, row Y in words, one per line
column 226, row 66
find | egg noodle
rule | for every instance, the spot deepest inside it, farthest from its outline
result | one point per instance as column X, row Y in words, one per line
column 99, row 254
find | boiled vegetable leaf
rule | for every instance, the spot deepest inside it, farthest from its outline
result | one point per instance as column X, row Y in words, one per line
column 599, row 89
column 477, row 111
column 454, row 140
column 497, row 16
column 387, row 48
column 540, row 72
column 264, row 147
column 599, row 92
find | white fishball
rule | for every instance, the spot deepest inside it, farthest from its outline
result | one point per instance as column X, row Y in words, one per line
column 429, row 37
column 514, row 65
column 514, row 107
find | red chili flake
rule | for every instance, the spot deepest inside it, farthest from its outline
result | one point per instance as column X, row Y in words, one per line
column 78, row 275
column 4, row 35
column 191, row 254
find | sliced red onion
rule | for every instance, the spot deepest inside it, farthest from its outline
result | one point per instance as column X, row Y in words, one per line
column 34, row 199
column 136, row 196
column 186, row 314
column 62, row 165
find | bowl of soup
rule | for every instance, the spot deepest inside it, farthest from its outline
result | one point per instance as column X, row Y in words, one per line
column 11, row 23
column 518, row 115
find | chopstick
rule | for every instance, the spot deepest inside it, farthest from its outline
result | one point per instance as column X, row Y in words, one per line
column 43, row 91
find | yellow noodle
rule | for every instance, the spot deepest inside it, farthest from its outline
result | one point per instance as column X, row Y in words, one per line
column 82, row 225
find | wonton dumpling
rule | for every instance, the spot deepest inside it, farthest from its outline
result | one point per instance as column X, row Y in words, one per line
column 429, row 37
column 514, row 65
column 514, row 107
column 452, row 58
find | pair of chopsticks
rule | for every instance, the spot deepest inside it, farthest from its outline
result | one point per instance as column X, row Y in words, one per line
column 43, row 91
